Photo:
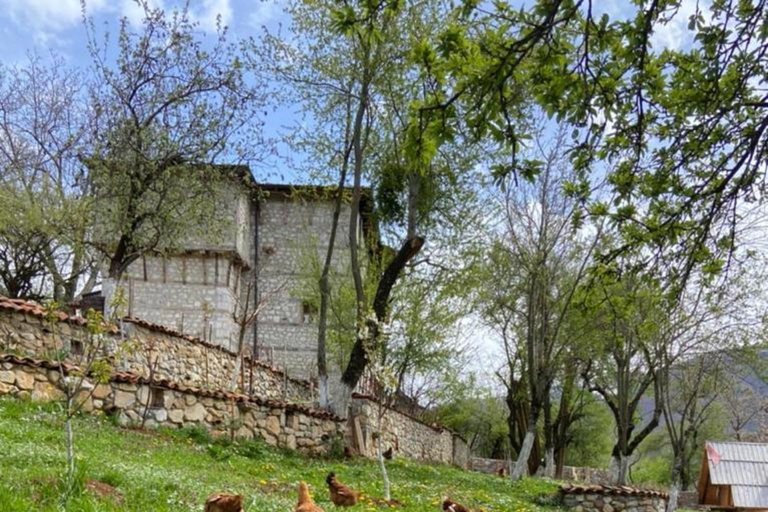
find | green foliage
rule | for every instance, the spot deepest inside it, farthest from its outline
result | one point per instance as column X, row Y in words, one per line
column 165, row 111
column 593, row 437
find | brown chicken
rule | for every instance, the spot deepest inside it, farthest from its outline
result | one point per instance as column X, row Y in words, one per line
column 224, row 503
column 341, row 495
column 452, row 506
column 388, row 454
column 306, row 504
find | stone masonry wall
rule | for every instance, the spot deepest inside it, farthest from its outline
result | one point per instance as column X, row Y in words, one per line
column 570, row 473
column 291, row 233
column 183, row 359
column 126, row 395
column 407, row 436
column 612, row 499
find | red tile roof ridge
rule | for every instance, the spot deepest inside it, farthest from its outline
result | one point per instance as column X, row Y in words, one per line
column 35, row 309
column 133, row 378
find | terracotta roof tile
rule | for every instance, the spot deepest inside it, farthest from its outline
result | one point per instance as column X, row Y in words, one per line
column 612, row 490
column 33, row 308
column 133, row 378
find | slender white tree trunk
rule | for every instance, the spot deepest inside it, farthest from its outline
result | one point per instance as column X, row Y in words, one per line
column 549, row 461
column 521, row 466
column 341, row 399
column 613, row 470
column 674, row 488
column 619, row 469
column 70, row 446
column 383, row 466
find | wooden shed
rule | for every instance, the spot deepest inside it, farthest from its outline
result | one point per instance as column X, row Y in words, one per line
column 734, row 476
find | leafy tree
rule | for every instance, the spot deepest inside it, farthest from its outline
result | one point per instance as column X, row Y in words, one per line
column 592, row 436
column 166, row 110
column 42, row 185
column 543, row 259
column 679, row 134
column 626, row 312
column 81, row 370
column 352, row 68
column 477, row 413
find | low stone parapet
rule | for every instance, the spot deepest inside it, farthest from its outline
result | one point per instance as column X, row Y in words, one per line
column 604, row 498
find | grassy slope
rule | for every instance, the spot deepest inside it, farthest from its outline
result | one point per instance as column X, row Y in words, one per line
column 175, row 471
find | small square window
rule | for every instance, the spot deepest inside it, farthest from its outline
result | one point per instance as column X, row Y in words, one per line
column 76, row 348
column 308, row 313
column 157, row 398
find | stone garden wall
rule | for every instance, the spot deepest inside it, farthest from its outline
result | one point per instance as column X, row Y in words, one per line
column 407, row 436
column 184, row 359
column 175, row 406
column 188, row 383
column 603, row 498
column 570, row 473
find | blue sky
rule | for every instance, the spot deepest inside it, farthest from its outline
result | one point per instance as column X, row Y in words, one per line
column 57, row 24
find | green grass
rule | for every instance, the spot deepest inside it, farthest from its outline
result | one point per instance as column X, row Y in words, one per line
column 175, row 471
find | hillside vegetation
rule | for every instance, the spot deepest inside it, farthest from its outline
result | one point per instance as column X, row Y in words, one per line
column 122, row 470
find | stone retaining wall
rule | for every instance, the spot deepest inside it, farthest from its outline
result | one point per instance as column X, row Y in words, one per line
column 489, row 466
column 570, row 473
column 183, row 359
column 407, row 436
column 612, row 499
column 171, row 405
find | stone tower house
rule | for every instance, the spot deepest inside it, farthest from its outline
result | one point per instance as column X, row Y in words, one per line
column 269, row 234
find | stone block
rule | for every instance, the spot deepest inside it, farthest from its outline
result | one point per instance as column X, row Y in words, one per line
column 124, row 399
column 273, row 425
column 176, row 416
column 44, row 391
column 195, row 412
column 25, row 381
column 161, row 415
column 7, row 377
column 143, row 395
column 102, row 391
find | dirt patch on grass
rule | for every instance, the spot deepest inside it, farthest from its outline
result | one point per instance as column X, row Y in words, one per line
column 104, row 491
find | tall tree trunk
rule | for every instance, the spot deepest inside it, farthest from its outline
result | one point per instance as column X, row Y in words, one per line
column 325, row 285
column 380, row 443
column 619, row 468
column 521, row 466
column 674, row 488
column 549, row 438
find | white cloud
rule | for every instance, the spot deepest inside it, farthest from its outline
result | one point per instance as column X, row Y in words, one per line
column 674, row 34
column 207, row 14
column 135, row 13
column 46, row 19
